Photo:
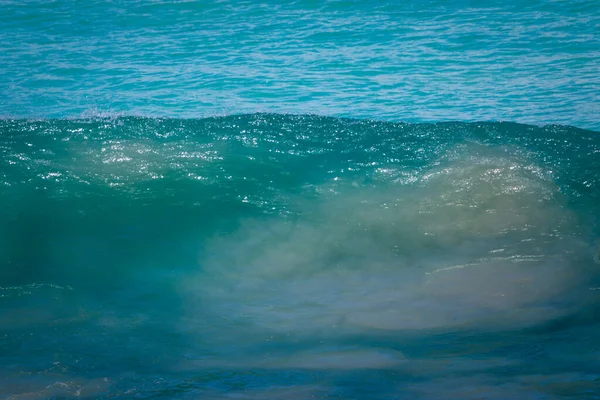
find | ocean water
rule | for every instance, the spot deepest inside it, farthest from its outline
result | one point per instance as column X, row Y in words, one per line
column 529, row 61
column 338, row 199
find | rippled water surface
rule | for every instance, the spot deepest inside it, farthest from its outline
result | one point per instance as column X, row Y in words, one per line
column 522, row 61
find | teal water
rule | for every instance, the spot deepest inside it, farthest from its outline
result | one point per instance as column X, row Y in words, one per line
column 281, row 256
column 301, row 200
column 419, row 61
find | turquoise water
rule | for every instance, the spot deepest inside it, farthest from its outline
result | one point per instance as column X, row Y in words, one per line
column 219, row 200
column 281, row 256
column 417, row 61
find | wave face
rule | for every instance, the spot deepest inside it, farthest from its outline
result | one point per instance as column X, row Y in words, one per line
column 282, row 255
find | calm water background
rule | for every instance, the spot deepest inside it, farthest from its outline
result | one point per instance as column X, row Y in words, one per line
column 521, row 61
column 218, row 200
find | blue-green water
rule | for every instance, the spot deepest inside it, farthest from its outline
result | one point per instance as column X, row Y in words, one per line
column 181, row 220
column 286, row 256
column 521, row 61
